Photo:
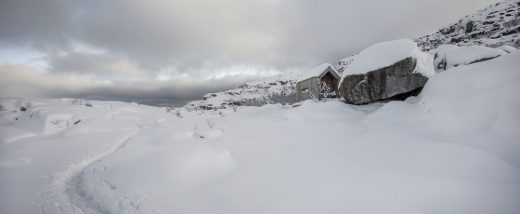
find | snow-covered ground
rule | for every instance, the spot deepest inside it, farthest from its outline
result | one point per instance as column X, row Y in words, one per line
column 453, row 149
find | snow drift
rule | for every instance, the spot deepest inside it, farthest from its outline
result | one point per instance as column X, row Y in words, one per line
column 386, row 53
column 448, row 56
column 453, row 149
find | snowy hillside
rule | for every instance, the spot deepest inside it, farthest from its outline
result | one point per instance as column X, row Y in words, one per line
column 278, row 89
column 342, row 64
column 496, row 25
column 454, row 149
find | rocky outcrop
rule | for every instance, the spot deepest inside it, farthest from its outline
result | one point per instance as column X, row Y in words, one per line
column 396, row 81
column 494, row 26
column 278, row 89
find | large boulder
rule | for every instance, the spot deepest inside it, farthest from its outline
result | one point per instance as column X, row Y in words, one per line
column 387, row 70
column 384, row 83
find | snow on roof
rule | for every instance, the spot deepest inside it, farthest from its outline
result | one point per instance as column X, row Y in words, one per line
column 384, row 54
column 318, row 71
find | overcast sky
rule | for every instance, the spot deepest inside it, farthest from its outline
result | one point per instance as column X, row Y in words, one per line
column 177, row 50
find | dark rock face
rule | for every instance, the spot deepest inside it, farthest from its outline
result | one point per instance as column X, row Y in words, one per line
column 382, row 84
column 469, row 27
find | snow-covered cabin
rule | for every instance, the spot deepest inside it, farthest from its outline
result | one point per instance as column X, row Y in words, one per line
column 317, row 82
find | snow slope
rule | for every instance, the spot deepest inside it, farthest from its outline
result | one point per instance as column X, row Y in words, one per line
column 453, row 149
column 494, row 26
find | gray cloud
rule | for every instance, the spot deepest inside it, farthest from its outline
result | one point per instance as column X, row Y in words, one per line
column 125, row 41
column 102, row 66
column 25, row 81
column 42, row 24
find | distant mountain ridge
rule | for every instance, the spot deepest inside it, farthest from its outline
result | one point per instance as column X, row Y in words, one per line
column 277, row 89
column 494, row 26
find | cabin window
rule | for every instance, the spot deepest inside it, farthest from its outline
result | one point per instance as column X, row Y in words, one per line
column 305, row 90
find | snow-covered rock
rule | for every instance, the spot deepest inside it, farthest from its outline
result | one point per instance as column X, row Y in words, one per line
column 494, row 26
column 448, row 56
column 385, row 70
column 386, row 53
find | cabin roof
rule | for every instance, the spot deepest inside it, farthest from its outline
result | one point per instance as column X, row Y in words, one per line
column 319, row 71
